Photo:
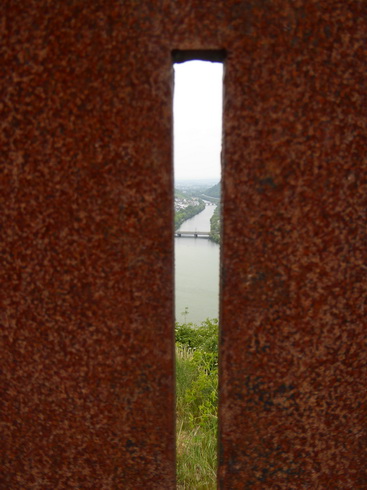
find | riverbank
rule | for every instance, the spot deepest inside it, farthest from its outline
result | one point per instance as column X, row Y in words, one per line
column 215, row 225
column 188, row 212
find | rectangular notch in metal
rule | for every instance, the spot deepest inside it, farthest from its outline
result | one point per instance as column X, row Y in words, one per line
column 214, row 55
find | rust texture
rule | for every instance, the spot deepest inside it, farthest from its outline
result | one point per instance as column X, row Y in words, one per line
column 87, row 248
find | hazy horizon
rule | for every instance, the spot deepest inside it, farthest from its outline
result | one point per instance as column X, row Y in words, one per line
column 198, row 120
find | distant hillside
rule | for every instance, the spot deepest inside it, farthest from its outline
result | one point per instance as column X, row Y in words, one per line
column 214, row 191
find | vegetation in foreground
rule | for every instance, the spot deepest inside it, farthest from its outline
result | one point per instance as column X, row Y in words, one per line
column 196, row 404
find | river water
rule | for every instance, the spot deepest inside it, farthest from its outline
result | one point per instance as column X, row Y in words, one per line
column 196, row 272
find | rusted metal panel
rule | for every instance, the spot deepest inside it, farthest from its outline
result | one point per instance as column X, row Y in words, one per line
column 293, row 356
column 87, row 246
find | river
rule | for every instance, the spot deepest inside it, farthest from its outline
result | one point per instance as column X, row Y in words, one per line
column 196, row 272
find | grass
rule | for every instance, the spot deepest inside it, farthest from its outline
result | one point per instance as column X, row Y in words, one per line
column 196, row 459
column 196, row 405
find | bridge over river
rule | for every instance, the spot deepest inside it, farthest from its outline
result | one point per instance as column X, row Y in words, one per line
column 191, row 234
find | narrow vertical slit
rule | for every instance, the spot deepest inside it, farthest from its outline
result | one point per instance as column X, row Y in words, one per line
column 197, row 175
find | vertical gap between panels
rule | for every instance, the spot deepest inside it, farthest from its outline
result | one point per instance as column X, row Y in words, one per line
column 198, row 112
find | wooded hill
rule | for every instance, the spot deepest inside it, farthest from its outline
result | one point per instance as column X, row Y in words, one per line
column 214, row 191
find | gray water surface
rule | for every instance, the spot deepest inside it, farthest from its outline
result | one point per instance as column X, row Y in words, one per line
column 196, row 272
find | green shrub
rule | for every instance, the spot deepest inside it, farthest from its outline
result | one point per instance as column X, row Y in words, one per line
column 204, row 336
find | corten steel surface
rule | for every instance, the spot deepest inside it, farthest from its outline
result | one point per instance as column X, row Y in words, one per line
column 86, row 242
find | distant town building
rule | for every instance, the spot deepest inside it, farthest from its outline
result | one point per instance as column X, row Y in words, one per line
column 181, row 203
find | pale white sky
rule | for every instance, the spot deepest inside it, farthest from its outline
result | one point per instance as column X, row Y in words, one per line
column 197, row 110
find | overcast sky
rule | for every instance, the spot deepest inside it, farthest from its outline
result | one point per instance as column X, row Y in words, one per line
column 197, row 120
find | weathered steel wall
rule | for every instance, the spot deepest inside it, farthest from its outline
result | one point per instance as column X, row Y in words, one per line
column 86, row 241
